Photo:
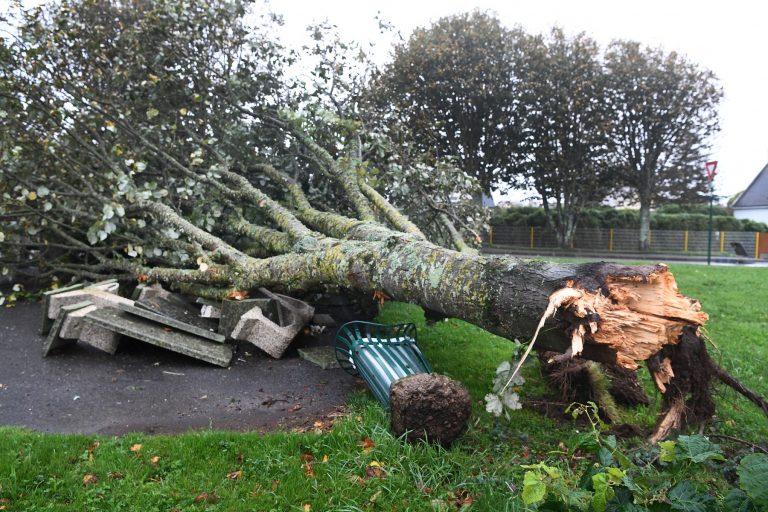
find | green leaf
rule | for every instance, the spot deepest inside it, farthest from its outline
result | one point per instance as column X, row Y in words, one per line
column 534, row 488
column 667, row 451
column 753, row 478
column 698, row 448
column 686, row 498
column 738, row 501
column 603, row 492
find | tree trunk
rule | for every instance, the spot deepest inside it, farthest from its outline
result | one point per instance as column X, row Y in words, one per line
column 645, row 224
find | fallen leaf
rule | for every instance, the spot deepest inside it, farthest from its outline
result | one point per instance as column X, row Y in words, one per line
column 136, row 448
column 380, row 297
column 374, row 470
column 309, row 470
column 462, row 498
column 142, row 278
column 115, row 475
column 295, row 408
column 318, row 424
column 154, row 460
column 307, row 507
column 307, row 457
column 237, row 295
column 90, row 479
column 325, row 458
column 275, row 483
column 235, row 475
column 367, row 444
column 206, row 497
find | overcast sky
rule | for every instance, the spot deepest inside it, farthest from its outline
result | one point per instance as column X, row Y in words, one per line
column 728, row 37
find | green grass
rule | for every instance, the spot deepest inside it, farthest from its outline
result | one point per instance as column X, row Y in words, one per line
column 45, row 472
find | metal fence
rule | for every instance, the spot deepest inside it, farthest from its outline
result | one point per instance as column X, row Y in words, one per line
column 627, row 240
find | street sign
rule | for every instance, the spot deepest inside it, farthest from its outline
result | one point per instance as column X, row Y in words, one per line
column 711, row 168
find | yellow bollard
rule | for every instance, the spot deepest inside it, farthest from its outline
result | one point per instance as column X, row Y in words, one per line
column 685, row 241
column 757, row 244
column 722, row 241
column 531, row 237
column 610, row 241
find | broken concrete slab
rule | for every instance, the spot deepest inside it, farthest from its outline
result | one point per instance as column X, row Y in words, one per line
column 172, row 322
column 73, row 322
column 47, row 322
column 99, row 297
column 301, row 309
column 98, row 336
column 273, row 333
column 156, row 334
column 157, row 299
column 55, row 340
column 233, row 310
column 323, row 356
column 209, row 308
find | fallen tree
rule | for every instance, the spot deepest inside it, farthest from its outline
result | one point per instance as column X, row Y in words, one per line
column 200, row 187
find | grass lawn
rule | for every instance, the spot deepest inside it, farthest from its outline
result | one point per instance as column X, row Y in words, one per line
column 339, row 469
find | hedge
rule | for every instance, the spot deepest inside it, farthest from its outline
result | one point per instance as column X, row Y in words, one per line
column 669, row 217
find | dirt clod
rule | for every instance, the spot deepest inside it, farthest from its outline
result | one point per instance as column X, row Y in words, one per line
column 429, row 406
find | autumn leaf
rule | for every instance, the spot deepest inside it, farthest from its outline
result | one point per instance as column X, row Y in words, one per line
column 309, row 469
column 374, row 470
column 143, row 278
column 235, row 475
column 136, row 448
column 367, row 444
column 306, row 507
column 206, row 497
column 90, row 479
column 380, row 297
column 154, row 460
column 237, row 295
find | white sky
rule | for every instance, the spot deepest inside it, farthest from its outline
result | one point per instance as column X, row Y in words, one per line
column 728, row 37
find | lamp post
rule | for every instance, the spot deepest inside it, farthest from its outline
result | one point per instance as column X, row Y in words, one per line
column 711, row 168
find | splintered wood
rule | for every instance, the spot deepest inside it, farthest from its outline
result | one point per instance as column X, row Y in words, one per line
column 635, row 320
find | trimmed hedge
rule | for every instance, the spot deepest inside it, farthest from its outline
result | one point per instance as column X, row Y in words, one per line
column 668, row 217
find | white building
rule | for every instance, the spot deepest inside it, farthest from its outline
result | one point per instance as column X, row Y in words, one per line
column 753, row 202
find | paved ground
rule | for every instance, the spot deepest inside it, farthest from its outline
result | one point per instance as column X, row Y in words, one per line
column 143, row 388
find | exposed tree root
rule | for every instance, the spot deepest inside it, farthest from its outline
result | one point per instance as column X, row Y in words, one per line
column 580, row 380
column 729, row 380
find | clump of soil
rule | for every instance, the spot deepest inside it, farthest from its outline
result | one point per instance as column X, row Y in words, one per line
column 429, row 406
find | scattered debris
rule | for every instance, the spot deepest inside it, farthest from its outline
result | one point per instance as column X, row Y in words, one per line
column 323, row 319
column 124, row 323
column 323, row 356
column 172, row 322
column 273, row 328
column 96, row 315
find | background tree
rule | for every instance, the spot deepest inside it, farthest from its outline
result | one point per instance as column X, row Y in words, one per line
column 453, row 87
column 664, row 114
column 566, row 154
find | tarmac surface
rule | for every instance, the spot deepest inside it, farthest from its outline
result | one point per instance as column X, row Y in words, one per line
column 143, row 388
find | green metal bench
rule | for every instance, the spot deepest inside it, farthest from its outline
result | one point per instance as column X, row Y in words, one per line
column 380, row 354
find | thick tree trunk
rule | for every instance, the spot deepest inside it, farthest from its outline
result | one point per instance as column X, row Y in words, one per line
column 615, row 314
column 645, row 224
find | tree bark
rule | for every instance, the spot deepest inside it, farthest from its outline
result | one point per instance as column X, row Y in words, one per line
column 645, row 224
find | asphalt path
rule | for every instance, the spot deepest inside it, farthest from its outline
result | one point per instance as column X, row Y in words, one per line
column 148, row 389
